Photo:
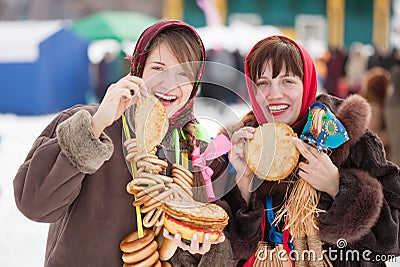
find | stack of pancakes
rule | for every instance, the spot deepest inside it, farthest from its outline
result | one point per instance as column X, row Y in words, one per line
column 190, row 217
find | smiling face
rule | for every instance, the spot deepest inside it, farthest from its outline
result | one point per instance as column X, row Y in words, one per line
column 275, row 67
column 167, row 79
column 281, row 95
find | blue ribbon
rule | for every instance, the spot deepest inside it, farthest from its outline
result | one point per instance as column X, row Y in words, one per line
column 274, row 235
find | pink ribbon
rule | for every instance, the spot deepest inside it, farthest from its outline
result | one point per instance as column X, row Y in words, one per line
column 219, row 146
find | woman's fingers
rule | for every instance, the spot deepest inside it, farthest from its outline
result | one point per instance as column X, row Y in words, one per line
column 205, row 247
column 220, row 239
column 242, row 134
column 309, row 152
column 194, row 247
column 140, row 85
column 167, row 235
column 194, row 244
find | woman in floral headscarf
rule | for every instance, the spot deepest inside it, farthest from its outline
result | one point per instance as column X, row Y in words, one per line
column 75, row 175
column 360, row 190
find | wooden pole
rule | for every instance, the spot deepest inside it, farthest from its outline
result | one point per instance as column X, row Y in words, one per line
column 335, row 10
column 380, row 32
column 173, row 9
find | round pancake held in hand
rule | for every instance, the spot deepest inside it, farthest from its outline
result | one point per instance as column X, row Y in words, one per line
column 270, row 154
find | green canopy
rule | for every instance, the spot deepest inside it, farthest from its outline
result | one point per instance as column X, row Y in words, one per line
column 117, row 25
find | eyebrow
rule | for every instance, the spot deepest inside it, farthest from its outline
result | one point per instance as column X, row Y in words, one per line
column 158, row 62
column 279, row 76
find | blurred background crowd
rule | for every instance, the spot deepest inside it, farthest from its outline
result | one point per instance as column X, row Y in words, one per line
column 71, row 51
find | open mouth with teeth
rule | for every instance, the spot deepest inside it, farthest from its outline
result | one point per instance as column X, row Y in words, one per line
column 278, row 109
column 166, row 99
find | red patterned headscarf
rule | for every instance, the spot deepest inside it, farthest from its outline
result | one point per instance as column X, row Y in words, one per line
column 309, row 82
column 138, row 59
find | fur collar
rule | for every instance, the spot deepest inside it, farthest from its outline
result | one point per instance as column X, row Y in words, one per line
column 354, row 112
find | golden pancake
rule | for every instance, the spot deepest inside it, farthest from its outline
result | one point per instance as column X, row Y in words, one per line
column 151, row 123
column 270, row 154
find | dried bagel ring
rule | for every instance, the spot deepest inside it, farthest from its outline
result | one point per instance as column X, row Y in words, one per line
column 148, row 189
column 159, row 197
column 183, row 175
column 183, row 169
column 144, row 197
column 150, row 176
column 157, row 161
column 145, row 181
column 160, row 221
column 144, row 156
column 179, row 191
column 130, row 190
column 157, row 230
column 149, row 166
column 152, row 217
column 129, row 143
column 141, row 200
column 181, row 181
column 188, row 190
column 146, row 209
column 142, row 193
column 132, row 242
column 140, row 255
column 146, row 262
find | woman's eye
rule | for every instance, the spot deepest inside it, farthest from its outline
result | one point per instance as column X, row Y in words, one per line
column 289, row 82
column 262, row 83
column 156, row 68
column 183, row 74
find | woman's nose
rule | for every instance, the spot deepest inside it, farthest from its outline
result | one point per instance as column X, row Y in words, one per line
column 169, row 81
column 275, row 91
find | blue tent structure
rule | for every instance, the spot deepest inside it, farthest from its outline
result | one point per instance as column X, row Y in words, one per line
column 44, row 67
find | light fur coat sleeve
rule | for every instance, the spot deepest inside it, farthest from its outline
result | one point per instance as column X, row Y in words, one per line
column 78, row 143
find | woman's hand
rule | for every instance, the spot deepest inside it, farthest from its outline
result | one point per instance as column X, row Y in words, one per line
column 237, row 159
column 194, row 247
column 116, row 100
column 318, row 171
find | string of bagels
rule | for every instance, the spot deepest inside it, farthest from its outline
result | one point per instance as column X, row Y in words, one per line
column 151, row 189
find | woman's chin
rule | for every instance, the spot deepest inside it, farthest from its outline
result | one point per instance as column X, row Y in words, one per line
column 171, row 109
column 170, row 112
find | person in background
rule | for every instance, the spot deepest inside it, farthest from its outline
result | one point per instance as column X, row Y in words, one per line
column 392, row 111
column 376, row 89
column 355, row 66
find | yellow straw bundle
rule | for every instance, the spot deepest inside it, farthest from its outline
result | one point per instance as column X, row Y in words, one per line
column 300, row 214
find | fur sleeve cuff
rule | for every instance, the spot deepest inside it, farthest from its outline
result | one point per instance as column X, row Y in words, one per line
column 249, row 219
column 219, row 255
column 355, row 210
column 78, row 143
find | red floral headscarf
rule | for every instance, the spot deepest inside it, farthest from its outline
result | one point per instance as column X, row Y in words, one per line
column 138, row 59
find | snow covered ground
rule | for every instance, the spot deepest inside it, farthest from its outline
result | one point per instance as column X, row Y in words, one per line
column 23, row 241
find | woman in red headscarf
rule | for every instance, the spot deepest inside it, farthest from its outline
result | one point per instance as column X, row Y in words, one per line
column 75, row 175
column 359, row 188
